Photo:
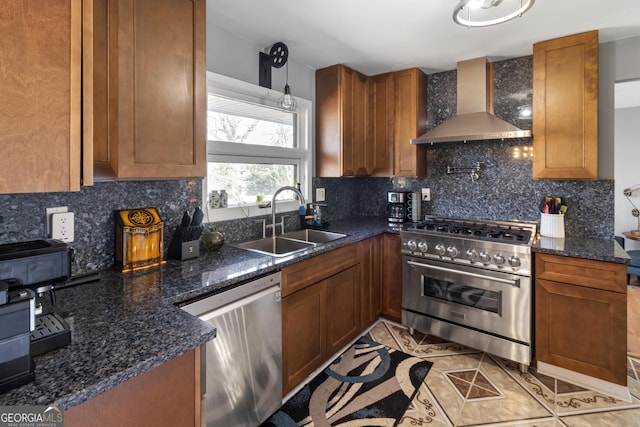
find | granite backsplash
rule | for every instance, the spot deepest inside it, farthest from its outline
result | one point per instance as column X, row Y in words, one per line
column 22, row 216
column 505, row 189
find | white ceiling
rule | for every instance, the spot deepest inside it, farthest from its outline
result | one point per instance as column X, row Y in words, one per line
column 375, row 36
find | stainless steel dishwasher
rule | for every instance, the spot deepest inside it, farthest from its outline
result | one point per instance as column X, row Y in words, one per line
column 243, row 371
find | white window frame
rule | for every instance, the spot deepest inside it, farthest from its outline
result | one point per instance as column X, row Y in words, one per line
column 301, row 156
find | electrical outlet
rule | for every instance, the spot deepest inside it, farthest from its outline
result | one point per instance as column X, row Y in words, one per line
column 426, row 195
column 50, row 212
column 320, row 195
column 62, row 226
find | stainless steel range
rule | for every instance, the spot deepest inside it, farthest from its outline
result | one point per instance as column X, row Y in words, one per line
column 469, row 281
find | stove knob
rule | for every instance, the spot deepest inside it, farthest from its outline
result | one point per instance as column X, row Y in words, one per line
column 423, row 246
column 412, row 245
column 484, row 257
column 514, row 261
column 471, row 254
column 453, row 251
column 498, row 259
column 440, row 249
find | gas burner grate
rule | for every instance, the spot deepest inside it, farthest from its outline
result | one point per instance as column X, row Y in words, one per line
column 481, row 230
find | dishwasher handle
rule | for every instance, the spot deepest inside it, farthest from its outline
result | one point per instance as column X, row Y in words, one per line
column 242, row 302
column 241, row 292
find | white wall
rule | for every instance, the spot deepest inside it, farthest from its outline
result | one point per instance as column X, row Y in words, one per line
column 237, row 58
column 627, row 149
column 627, row 158
column 628, row 59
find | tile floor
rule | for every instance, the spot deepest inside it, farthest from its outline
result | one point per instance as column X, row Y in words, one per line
column 466, row 387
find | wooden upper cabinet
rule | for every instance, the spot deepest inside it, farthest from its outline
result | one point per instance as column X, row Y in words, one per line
column 565, row 107
column 382, row 97
column 341, row 123
column 364, row 124
column 41, row 92
column 150, row 88
column 410, row 122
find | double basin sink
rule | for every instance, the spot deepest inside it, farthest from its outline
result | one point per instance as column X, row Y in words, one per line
column 289, row 243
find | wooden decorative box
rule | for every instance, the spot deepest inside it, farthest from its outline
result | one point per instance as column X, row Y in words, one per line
column 139, row 239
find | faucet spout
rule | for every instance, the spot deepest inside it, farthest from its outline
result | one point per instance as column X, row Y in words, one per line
column 273, row 203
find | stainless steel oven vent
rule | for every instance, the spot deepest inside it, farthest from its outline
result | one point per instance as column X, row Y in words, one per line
column 474, row 119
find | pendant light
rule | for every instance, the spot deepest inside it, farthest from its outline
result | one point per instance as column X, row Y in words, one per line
column 287, row 102
column 483, row 13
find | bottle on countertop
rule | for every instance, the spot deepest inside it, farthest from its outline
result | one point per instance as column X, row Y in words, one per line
column 224, row 198
column 317, row 215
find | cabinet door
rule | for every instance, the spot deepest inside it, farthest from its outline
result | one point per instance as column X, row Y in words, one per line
column 392, row 277
column 328, row 122
column 381, row 124
column 371, row 272
column 565, row 107
column 341, row 122
column 154, row 51
column 353, row 91
column 40, row 117
column 410, row 122
column 360, row 119
column 582, row 329
column 343, row 308
column 303, row 334
column 168, row 395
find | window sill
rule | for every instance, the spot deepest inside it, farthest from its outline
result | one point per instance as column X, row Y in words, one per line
column 249, row 211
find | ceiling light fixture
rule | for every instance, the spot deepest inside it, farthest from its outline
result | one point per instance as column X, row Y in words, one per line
column 483, row 13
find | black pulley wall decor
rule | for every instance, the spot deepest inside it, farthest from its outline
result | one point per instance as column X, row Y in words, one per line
column 276, row 58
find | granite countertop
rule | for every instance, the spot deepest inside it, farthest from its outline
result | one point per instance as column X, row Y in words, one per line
column 595, row 249
column 126, row 324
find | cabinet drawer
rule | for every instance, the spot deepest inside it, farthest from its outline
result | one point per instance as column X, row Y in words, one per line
column 305, row 273
column 582, row 272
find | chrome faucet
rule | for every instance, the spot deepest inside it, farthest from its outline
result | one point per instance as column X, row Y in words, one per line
column 273, row 206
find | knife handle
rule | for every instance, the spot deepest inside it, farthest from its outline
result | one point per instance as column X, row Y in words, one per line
column 186, row 219
column 197, row 217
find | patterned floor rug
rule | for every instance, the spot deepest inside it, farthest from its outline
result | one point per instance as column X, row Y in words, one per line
column 368, row 381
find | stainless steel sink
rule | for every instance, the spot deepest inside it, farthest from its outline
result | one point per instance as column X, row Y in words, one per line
column 275, row 247
column 315, row 236
column 289, row 243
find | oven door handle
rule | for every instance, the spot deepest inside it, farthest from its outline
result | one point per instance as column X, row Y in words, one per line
column 515, row 282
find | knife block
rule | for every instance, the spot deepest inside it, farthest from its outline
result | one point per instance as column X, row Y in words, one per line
column 139, row 239
column 185, row 243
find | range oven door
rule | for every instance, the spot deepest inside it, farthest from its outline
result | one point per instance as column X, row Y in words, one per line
column 483, row 300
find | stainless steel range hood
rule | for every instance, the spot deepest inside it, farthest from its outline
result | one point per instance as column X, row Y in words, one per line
column 474, row 120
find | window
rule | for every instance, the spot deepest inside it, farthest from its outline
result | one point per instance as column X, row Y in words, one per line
column 253, row 148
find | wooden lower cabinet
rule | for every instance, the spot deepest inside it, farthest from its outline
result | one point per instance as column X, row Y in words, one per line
column 320, row 311
column 343, row 308
column 371, row 274
column 391, row 277
column 168, row 395
column 581, row 316
column 303, row 334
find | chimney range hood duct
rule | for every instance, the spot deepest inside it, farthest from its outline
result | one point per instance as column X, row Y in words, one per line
column 474, row 120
